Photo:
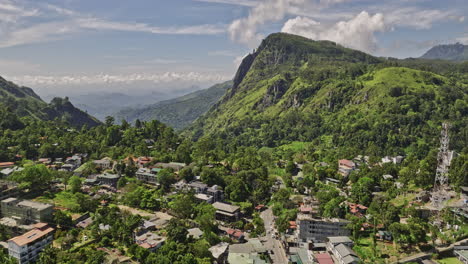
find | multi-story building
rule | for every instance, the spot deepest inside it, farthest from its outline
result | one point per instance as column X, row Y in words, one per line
column 227, row 212
column 26, row 248
column 146, row 175
column 104, row 164
column 208, row 194
column 108, row 179
column 318, row 229
column 27, row 211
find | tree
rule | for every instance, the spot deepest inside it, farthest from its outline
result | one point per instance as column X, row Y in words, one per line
column 166, row 177
column 176, row 230
column 186, row 174
column 63, row 220
column 184, row 151
column 109, row 121
column 183, row 205
column 291, row 167
column 35, row 177
column 75, row 184
column 362, row 190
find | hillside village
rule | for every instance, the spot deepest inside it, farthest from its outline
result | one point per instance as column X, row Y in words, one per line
column 304, row 222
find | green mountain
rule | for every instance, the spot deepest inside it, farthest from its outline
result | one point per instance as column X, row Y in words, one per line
column 295, row 89
column 178, row 112
column 23, row 102
column 455, row 52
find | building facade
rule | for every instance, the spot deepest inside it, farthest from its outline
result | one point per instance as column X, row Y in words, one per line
column 26, row 248
column 27, row 211
column 227, row 212
column 318, row 229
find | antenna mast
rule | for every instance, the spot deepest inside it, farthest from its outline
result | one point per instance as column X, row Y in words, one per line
column 444, row 157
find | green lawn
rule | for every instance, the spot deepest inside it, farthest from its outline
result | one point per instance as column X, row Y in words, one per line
column 449, row 261
column 66, row 199
column 62, row 199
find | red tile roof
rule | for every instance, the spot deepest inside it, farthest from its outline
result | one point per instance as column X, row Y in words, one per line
column 347, row 163
column 324, row 258
column 6, row 164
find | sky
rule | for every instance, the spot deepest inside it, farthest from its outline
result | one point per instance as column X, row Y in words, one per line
column 63, row 47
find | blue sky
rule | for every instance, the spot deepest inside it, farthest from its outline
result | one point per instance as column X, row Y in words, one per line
column 81, row 46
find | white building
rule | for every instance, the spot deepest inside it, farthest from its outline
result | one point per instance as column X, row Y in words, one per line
column 26, row 248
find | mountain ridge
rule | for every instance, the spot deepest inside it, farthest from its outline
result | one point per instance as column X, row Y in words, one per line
column 178, row 112
column 297, row 89
column 24, row 102
column 455, row 52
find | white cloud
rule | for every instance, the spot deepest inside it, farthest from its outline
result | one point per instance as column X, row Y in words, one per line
column 57, row 22
column 99, row 24
column 356, row 33
column 232, row 2
column 36, row 34
column 463, row 39
column 418, row 18
column 244, row 30
column 100, row 79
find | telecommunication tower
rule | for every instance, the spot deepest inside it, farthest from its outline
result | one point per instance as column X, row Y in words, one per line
column 444, row 157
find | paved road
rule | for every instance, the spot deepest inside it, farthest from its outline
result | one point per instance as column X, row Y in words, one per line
column 271, row 243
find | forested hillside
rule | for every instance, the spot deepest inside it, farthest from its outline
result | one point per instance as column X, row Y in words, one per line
column 295, row 89
column 178, row 112
column 25, row 103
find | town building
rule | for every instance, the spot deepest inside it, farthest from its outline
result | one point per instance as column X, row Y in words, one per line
column 252, row 252
column 300, row 256
column 9, row 171
column 108, row 179
column 394, row 160
column 26, row 248
column 318, row 229
column 203, row 192
column 150, row 241
column 345, row 167
column 147, row 176
column 227, row 212
column 336, row 240
column 27, row 211
column 195, row 233
column 345, row 255
column 323, row 258
column 219, row 252
column 176, row 166
column 6, row 165
column 355, row 209
column 103, row 164
column 7, row 190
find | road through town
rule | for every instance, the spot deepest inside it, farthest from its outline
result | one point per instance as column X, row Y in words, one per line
column 271, row 242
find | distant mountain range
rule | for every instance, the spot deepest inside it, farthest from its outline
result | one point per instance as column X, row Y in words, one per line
column 455, row 52
column 24, row 102
column 178, row 112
